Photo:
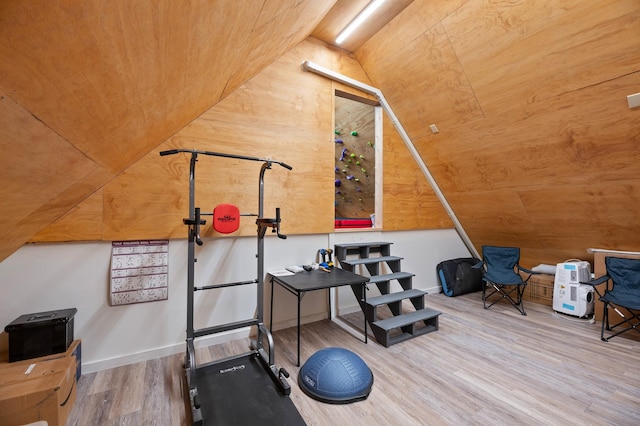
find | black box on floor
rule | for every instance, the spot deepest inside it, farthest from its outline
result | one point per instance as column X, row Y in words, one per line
column 40, row 334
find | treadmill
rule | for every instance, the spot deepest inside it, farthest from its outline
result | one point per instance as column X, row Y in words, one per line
column 246, row 388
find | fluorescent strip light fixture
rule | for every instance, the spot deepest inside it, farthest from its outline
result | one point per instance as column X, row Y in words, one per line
column 362, row 16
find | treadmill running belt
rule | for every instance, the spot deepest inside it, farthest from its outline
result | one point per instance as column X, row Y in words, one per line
column 240, row 392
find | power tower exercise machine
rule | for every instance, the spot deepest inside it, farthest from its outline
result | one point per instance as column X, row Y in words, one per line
column 247, row 388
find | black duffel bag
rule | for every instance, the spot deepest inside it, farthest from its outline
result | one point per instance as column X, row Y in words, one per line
column 457, row 276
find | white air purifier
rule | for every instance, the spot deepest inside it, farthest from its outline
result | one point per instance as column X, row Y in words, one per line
column 569, row 296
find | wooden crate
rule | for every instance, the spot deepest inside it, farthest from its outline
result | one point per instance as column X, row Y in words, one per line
column 540, row 289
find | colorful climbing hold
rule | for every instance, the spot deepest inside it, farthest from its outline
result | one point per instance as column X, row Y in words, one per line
column 350, row 177
column 361, row 157
column 338, row 182
column 357, row 163
column 363, row 170
column 354, row 133
column 337, row 132
column 343, row 153
column 353, row 155
column 339, row 141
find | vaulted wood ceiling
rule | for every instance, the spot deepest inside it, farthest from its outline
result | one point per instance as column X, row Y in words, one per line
column 102, row 83
column 537, row 146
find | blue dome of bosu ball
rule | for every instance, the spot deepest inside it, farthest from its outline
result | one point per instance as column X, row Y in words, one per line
column 336, row 376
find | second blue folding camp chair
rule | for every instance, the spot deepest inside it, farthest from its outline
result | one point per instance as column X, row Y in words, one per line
column 504, row 278
column 622, row 295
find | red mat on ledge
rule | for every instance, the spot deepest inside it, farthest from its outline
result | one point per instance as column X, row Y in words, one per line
column 352, row 223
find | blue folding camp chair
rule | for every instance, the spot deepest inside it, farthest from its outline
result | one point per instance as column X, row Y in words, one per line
column 622, row 294
column 503, row 276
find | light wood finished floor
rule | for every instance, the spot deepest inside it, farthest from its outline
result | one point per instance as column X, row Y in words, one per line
column 482, row 367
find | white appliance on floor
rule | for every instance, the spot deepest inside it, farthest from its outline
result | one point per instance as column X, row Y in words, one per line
column 569, row 296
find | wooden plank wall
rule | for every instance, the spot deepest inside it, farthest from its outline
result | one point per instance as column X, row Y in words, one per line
column 88, row 105
column 266, row 117
column 408, row 200
column 88, row 89
column 537, row 146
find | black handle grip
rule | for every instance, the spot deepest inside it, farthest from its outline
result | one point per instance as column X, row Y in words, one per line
column 282, row 236
column 286, row 166
column 168, row 152
column 196, row 229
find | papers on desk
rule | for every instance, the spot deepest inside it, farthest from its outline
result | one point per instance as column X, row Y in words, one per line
column 280, row 273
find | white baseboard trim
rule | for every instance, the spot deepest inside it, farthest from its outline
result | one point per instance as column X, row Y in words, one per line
column 105, row 364
column 434, row 290
column 217, row 339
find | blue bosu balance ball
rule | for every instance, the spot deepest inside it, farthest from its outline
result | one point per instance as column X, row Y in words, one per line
column 336, row 376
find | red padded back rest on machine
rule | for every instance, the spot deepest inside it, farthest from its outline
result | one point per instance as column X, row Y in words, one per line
column 226, row 218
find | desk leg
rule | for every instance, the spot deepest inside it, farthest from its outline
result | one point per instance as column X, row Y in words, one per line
column 299, row 298
column 364, row 295
column 271, row 308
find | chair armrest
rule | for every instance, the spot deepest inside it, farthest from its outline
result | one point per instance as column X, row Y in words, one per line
column 597, row 281
column 528, row 271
